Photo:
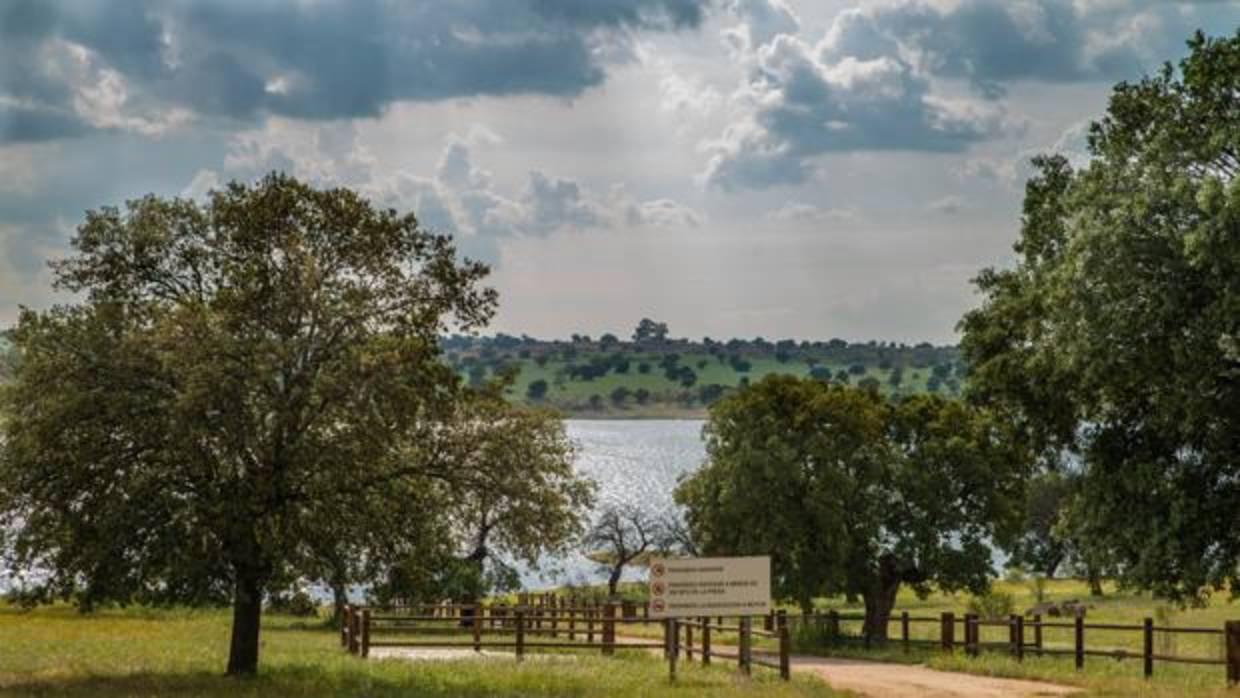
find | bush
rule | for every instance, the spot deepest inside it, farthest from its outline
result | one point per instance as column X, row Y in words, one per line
column 297, row 604
column 993, row 605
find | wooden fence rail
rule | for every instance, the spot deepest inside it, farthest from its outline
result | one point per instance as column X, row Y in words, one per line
column 550, row 622
column 1019, row 642
column 525, row 628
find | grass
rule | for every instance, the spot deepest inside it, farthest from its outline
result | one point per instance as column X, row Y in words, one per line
column 56, row 651
column 1101, row 676
column 574, row 395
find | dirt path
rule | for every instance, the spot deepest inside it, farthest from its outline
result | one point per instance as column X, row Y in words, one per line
column 886, row 680
column 891, row 680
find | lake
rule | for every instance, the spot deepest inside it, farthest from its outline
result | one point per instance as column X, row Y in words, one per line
column 633, row 461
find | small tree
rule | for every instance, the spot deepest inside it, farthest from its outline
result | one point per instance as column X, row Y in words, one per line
column 650, row 332
column 621, row 535
column 536, row 390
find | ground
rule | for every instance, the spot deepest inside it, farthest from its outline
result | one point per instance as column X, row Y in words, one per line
column 1101, row 677
column 141, row 652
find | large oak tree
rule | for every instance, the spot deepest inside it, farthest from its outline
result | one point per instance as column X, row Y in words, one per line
column 849, row 493
column 239, row 382
column 1114, row 341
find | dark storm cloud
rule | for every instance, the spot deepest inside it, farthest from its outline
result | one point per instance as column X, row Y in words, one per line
column 991, row 43
column 873, row 82
column 321, row 60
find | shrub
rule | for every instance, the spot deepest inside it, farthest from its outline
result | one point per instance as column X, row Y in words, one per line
column 993, row 605
column 297, row 604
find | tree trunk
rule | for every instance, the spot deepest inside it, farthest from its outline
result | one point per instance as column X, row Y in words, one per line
column 340, row 598
column 1095, row 583
column 1052, row 566
column 613, row 581
column 880, row 598
column 247, row 618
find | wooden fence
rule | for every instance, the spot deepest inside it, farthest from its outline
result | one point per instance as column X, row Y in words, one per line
column 1027, row 637
column 524, row 628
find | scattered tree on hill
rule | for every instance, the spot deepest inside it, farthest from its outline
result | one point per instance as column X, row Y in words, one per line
column 239, row 380
column 620, row 395
column 642, row 396
column 536, row 390
column 1115, row 335
column 650, row 332
column 852, row 494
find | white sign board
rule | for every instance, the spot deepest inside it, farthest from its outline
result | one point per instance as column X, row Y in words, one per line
column 709, row 586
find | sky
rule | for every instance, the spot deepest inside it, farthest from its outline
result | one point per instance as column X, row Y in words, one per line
column 735, row 168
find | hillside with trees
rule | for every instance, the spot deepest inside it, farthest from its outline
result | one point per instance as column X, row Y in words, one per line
column 650, row 374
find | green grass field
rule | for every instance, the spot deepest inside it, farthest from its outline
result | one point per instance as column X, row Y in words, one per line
column 141, row 652
column 1102, row 676
column 573, row 395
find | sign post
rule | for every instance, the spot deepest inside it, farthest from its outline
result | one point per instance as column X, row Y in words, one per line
column 710, row 586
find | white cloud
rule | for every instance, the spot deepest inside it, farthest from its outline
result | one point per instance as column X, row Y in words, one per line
column 948, row 205
column 802, row 105
column 797, row 212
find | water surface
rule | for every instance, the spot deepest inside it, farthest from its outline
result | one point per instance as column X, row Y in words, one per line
column 634, row 461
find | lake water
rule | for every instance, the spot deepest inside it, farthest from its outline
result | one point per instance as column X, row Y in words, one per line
column 633, row 461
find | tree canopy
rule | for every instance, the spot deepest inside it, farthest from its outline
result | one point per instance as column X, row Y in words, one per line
column 851, row 493
column 242, row 382
column 1116, row 335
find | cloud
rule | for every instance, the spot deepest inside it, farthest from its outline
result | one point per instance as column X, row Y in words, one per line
column 802, row 104
column 888, row 75
column 146, row 66
column 463, row 199
column 947, row 206
column 796, row 212
column 991, row 43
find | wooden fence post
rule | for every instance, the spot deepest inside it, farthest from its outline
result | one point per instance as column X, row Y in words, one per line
column 768, row 621
column 673, row 649
column 590, row 625
column 1018, row 637
column 688, row 641
column 344, row 627
column 355, row 632
column 947, row 631
column 609, row 628
column 646, row 614
column 365, row 633
column 833, row 625
column 785, row 645
column 1037, row 633
column 572, row 621
column 520, row 650
column 904, row 639
column 1232, row 631
column 742, row 654
column 1147, row 633
column 1079, row 636
column 476, row 621
column 705, row 640
column 970, row 634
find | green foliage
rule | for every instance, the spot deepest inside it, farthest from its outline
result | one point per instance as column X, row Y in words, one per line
column 297, row 603
column 1116, row 335
column 537, row 390
column 244, row 389
column 851, row 493
column 992, row 605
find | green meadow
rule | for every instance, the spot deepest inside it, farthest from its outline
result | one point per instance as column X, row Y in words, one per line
column 58, row 652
